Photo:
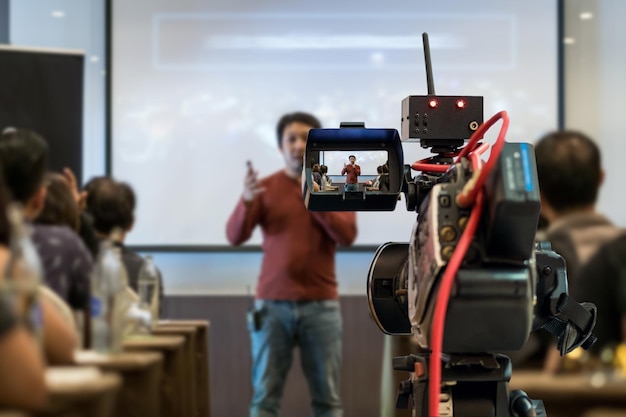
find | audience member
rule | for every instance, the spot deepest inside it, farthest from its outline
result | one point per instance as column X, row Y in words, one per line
column 21, row 363
column 327, row 183
column 379, row 172
column 317, row 175
column 66, row 262
column 570, row 175
column 296, row 297
column 376, row 183
column 61, row 210
column 383, row 182
column 23, row 159
column 111, row 204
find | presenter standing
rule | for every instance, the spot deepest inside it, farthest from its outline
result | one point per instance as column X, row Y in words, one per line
column 296, row 299
column 353, row 171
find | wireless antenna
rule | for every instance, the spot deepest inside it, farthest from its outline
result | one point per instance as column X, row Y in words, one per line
column 441, row 123
column 429, row 66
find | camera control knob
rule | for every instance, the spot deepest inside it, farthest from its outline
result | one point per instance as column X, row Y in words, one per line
column 447, row 233
column 444, row 200
column 446, row 252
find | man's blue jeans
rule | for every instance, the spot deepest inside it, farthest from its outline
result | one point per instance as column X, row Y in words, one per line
column 314, row 326
column 351, row 187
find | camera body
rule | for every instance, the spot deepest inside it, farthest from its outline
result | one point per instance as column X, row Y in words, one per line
column 491, row 306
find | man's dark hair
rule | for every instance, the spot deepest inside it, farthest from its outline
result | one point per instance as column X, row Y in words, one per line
column 91, row 186
column 568, row 169
column 60, row 208
column 23, row 158
column 111, row 204
column 351, row 156
column 300, row 117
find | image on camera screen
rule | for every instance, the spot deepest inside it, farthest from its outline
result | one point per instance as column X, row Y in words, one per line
column 351, row 171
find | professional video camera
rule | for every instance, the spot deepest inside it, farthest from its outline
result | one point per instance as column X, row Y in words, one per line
column 471, row 282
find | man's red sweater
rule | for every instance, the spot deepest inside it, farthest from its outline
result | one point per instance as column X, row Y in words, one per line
column 298, row 245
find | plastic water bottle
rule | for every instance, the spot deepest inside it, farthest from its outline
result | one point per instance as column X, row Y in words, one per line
column 148, row 283
column 24, row 272
column 107, row 286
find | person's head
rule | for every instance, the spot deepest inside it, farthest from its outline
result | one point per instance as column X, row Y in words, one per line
column 379, row 169
column 23, row 158
column 569, row 172
column 352, row 159
column 315, row 168
column 112, row 205
column 324, row 169
column 60, row 207
column 292, row 131
column 91, row 186
column 385, row 169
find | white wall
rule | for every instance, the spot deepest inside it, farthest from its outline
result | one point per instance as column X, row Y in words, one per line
column 595, row 89
column 231, row 273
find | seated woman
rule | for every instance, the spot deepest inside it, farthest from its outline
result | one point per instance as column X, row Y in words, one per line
column 384, row 179
column 317, row 175
column 376, row 184
column 67, row 272
column 327, row 184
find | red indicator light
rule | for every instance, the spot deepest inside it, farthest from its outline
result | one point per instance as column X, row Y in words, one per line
column 460, row 104
column 432, row 103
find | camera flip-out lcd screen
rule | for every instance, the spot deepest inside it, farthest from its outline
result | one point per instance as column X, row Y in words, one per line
column 353, row 168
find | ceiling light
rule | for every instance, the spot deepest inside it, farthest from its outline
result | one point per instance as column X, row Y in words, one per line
column 585, row 15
